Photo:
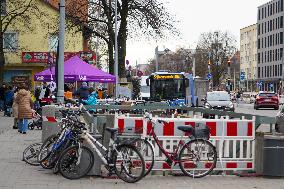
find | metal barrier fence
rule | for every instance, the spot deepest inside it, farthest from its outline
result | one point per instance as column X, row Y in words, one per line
column 234, row 139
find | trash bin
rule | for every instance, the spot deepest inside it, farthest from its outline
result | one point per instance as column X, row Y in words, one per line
column 273, row 155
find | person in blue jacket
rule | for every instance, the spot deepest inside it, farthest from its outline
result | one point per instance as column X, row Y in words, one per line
column 92, row 100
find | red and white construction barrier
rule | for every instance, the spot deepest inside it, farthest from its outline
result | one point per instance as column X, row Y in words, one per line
column 234, row 139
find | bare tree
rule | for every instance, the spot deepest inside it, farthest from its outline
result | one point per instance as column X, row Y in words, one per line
column 14, row 12
column 179, row 61
column 217, row 48
column 135, row 17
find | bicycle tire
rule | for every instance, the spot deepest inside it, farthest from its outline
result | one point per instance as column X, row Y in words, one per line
column 34, row 150
column 147, row 151
column 45, row 152
column 191, row 165
column 68, row 158
column 124, row 173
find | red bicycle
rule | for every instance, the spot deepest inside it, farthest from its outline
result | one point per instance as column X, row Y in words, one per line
column 196, row 156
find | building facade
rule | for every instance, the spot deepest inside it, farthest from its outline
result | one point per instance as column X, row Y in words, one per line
column 34, row 47
column 248, row 57
column 270, row 45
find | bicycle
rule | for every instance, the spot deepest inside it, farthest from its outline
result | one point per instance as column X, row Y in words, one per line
column 55, row 144
column 30, row 154
column 122, row 159
column 196, row 156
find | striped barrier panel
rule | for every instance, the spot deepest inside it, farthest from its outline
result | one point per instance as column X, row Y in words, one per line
column 233, row 139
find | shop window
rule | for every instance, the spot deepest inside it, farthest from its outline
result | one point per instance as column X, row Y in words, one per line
column 3, row 7
column 10, row 41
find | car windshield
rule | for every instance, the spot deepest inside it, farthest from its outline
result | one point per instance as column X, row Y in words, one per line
column 218, row 97
column 267, row 94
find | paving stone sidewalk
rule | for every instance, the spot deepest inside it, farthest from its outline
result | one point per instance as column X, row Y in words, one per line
column 14, row 173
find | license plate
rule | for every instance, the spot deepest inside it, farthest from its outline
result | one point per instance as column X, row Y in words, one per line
column 267, row 100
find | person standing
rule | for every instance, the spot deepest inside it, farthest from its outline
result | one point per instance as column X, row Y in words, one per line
column 83, row 92
column 9, row 96
column 2, row 96
column 25, row 110
column 15, row 110
column 238, row 96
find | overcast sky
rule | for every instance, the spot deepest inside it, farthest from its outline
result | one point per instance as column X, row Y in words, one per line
column 196, row 17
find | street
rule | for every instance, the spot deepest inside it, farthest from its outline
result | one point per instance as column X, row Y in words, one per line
column 248, row 109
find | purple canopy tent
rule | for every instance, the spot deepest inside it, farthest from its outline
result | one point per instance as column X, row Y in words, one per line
column 75, row 69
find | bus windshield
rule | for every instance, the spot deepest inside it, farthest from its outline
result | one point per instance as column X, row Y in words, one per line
column 168, row 89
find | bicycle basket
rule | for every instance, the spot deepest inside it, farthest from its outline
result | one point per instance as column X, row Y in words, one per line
column 201, row 131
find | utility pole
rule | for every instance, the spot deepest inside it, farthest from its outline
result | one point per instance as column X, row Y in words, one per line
column 193, row 66
column 60, row 83
column 229, row 75
column 116, row 53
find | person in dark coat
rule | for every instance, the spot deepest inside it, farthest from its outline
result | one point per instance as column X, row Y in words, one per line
column 83, row 92
column 9, row 96
column 2, row 96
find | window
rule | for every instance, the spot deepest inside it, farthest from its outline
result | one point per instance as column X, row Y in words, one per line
column 3, row 7
column 258, row 29
column 281, row 37
column 281, row 5
column 281, row 53
column 265, row 72
column 258, row 44
column 270, row 40
column 261, row 42
column 280, row 70
column 262, row 72
column 258, row 72
column 281, row 21
column 258, row 14
column 258, row 58
column 262, row 57
column 262, row 13
column 265, row 56
column 265, row 12
column 273, row 8
column 262, row 28
column 10, row 41
column 276, row 71
column 52, row 43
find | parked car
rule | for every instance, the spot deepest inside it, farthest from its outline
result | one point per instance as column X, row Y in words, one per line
column 279, row 126
column 266, row 100
column 219, row 100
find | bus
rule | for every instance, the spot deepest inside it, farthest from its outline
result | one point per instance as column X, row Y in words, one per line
column 177, row 88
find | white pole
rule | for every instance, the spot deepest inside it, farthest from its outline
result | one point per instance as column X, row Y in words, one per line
column 60, row 82
column 116, row 53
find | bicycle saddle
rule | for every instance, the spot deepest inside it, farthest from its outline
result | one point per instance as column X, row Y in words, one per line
column 111, row 130
column 187, row 128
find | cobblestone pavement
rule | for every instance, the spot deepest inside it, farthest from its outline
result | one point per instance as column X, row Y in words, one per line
column 14, row 173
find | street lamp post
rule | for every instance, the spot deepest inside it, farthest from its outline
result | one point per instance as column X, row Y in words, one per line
column 60, row 83
column 116, row 53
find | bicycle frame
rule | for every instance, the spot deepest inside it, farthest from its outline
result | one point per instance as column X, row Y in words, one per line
column 172, row 156
column 93, row 142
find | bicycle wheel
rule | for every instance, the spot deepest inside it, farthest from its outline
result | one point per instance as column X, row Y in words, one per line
column 197, row 158
column 74, row 164
column 147, row 151
column 30, row 154
column 129, row 164
column 46, row 155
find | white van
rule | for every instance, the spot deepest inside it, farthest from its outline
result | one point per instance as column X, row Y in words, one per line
column 144, row 89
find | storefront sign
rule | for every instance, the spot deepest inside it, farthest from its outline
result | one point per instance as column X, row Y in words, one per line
column 36, row 57
column 50, row 57
column 17, row 80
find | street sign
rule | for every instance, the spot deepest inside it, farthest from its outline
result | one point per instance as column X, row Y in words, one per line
column 209, row 76
column 242, row 78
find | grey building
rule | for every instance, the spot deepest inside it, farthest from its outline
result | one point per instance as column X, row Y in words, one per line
column 270, row 45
